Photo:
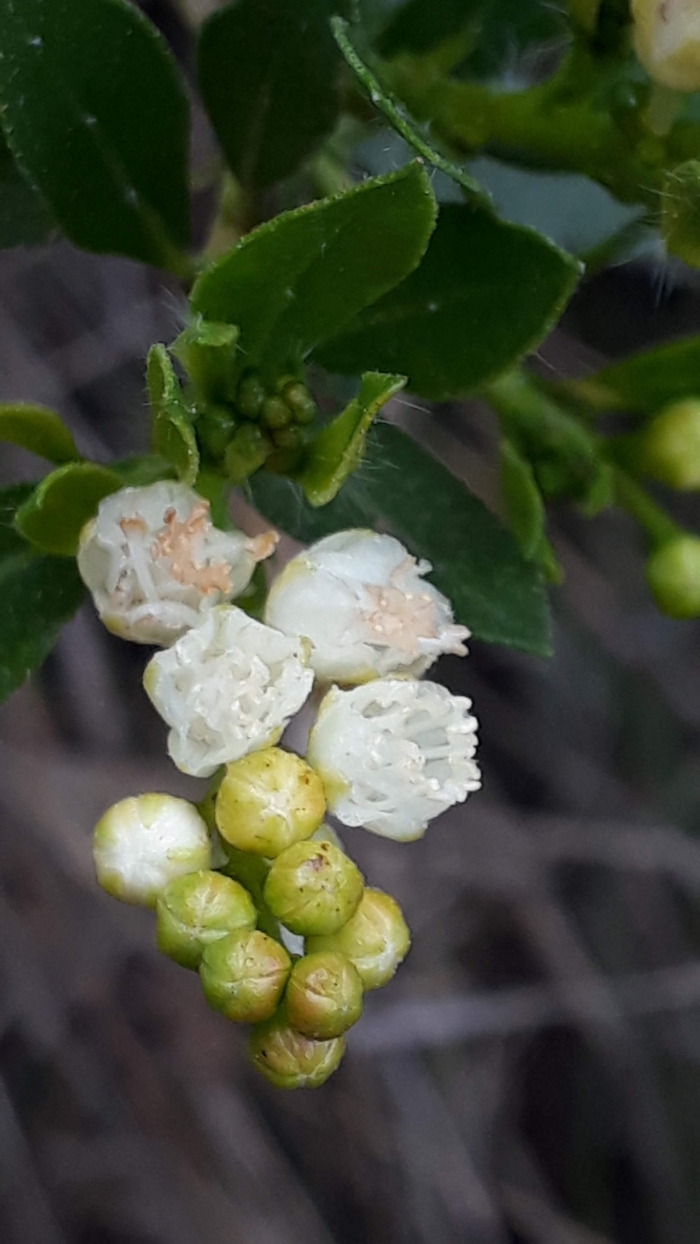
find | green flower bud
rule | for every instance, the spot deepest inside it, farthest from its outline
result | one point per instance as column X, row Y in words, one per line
column 251, row 871
column 275, row 413
column 244, row 974
column 250, row 396
column 143, row 843
column 290, row 1060
column 300, row 402
column 673, row 574
column 375, row 939
column 269, row 800
column 215, row 428
column 288, row 438
column 313, row 888
column 199, row 909
column 680, row 212
column 246, row 452
column 324, row 995
column 670, row 446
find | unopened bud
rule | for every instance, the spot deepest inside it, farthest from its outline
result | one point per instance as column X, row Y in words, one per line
column 251, row 395
column 244, row 974
column 324, row 995
column 269, row 800
column 199, row 909
column 312, row 887
column 673, row 574
column 300, row 401
column 680, row 212
column 667, row 41
column 290, row 1060
column 375, row 939
column 670, row 445
column 275, row 413
column 144, row 842
column 247, row 451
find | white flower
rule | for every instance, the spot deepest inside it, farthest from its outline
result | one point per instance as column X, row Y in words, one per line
column 393, row 754
column 155, row 563
column 142, row 843
column 362, row 601
column 667, row 41
column 227, row 687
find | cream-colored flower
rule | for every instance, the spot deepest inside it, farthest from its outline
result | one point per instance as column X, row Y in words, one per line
column 155, row 563
column 667, row 41
column 227, row 687
column 393, row 754
column 361, row 598
column 143, row 843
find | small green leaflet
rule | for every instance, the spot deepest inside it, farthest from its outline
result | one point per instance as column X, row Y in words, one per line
column 38, row 595
column 207, row 351
column 95, row 113
column 299, row 279
column 173, row 434
column 644, row 382
column 53, row 516
column 338, row 448
column 37, row 429
column 495, row 592
column 525, row 510
column 268, row 73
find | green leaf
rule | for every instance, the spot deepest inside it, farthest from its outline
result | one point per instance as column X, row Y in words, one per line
column 485, row 294
column 37, row 429
column 476, row 562
column 338, row 448
column 52, row 517
column 208, row 351
column 268, row 74
column 523, row 501
column 37, row 596
column 24, row 217
column 300, row 278
column 95, row 114
column 173, row 434
column 644, row 382
column 142, row 469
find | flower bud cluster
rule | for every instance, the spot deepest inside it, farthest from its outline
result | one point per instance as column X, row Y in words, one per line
column 251, row 888
column 258, row 423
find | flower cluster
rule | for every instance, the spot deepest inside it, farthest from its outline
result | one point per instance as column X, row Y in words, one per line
column 251, row 888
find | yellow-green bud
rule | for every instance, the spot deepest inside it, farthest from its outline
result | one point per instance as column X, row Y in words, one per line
column 275, row 413
column 680, row 212
column 244, row 974
column 269, row 800
column 300, row 402
column 246, row 452
column 667, row 41
column 375, row 939
column 673, row 574
column 313, row 888
column 250, row 396
column 196, row 910
column 324, row 995
column 670, row 445
column 290, row 1060
column 143, row 843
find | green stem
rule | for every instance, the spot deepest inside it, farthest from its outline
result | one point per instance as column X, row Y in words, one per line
column 651, row 518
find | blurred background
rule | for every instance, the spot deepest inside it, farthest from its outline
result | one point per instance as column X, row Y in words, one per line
column 532, row 1075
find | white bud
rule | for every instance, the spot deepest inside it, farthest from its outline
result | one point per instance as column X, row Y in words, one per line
column 227, row 687
column 362, row 601
column 667, row 41
column 155, row 563
column 393, row 754
column 143, row 843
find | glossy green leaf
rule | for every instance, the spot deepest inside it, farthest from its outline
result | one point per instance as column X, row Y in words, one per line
column 268, row 74
column 485, row 294
column 300, row 278
column 476, row 562
column 24, row 217
column 96, row 115
column 173, row 435
column 52, row 517
column 38, row 595
column 37, row 429
column 644, row 382
column 339, row 447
